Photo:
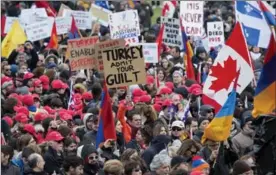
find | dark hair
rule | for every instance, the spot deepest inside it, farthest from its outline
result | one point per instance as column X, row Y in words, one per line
column 164, row 72
column 72, row 161
column 26, row 152
column 94, row 111
column 68, row 141
column 179, row 172
column 7, row 150
column 64, row 130
column 125, row 157
column 131, row 113
column 56, row 103
column 46, row 123
column 177, row 49
column 96, row 90
column 186, row 145
column 23, row 141
column 189, row 121
column 129, row 166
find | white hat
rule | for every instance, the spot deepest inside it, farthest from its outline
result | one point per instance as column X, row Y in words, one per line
column 178, row 123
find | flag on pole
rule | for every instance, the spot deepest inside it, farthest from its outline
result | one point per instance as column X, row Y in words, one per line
column 265, row 93
column 106, row 128
column 14, row 37
column 74, row 32
column 49, row 10
column 169, row 8
column 53, row 43
column 232, row 57
column 159, row 40
column 270, row 18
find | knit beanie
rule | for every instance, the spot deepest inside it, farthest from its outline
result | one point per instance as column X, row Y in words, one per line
column 87, row 150
column 240, row 167
column 199, row 164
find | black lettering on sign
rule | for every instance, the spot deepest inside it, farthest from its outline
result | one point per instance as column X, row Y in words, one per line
column 120, row 78
column 124, row 53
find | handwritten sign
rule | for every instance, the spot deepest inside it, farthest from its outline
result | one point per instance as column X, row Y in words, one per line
column 83, row 19
column 82, row 54
column 215, row 33
column 100, row 14
column 39, row 30
column 124, row 24
column 124, row 66
column 132, row 40
column 30, row 16
column 191, row 13
column 150, row 51
column 171, row 36
column 61, row 9
column 63, row 24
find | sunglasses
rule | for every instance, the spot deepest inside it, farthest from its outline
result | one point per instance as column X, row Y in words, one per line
column 176, row 129
column 137, row 170
column 93, row 158
column 209, row 111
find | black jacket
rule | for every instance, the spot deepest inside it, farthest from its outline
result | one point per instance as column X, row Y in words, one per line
column 53, row 162
column 31, row 172
column 134, row 145
column 10, row 169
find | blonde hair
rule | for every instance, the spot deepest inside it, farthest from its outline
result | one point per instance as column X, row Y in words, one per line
column 114, row 167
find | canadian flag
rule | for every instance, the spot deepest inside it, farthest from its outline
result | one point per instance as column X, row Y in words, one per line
column 232, row 58
column 169, row 8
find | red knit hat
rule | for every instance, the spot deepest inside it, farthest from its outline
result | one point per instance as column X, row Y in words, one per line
column 165, row 90
column 30, row 129
column 87, row 96
column 39, row 116
column 21, row 117
column 145, row 99
column 45, row 82
column 138, row 92
column 8, row 120
column 28, row 100
column 58, row 84
column 167, row 103
column 150, row 79
column 28, row 75
column 21, row 109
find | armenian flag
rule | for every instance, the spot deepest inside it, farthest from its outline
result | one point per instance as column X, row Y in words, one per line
column 270, row 18
column 74, row 31
column 106, row 128
column 265, row 93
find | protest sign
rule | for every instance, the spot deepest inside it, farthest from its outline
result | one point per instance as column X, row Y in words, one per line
column 149, row 50
column 100, row 14
column 191, row 13
column 124, row 24
column 63, row 24
column 171, row 36
column 132, row 40
column 123, row 66
column 82, row 54
column 30, row 16
column 39, row 30
column 9, row 22
column 215, row 33
column 61, row 9
column 83, row 19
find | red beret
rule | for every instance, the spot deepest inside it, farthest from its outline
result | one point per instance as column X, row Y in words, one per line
column 21, row 109
column 167, row 103
column 58, row 84
column 165, row 90
column 39, row 116
column 30, row 129
column 87, row 96
column 37, row 83
column 145, row 99
column 150, row 79
column 138, row 92
column 28, row 100
column 8, row 120
column 21, row 117
column 169, row 85
column 28, row 75
column 157, row 107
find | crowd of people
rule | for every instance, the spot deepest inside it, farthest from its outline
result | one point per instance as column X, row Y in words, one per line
column 45, row 132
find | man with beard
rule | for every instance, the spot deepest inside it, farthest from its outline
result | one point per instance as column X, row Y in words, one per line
column 6, row 87
column 91, row 160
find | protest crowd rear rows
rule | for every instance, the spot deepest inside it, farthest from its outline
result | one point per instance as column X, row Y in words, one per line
column 99, row 88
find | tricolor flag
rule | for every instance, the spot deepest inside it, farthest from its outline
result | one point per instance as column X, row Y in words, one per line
column 232, row 57
column 265, row 93
column 74, row 31
column 53, row 43
column 106, row 128
column 270, row 17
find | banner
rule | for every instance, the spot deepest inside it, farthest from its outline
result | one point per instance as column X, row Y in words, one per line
column 191, row 13
column 150, row 52
column 61, row 9
column 63, row 24
column 123, row 66
column 100, row 14
column 82, row 54
column 124, row 24
column 39, row 30
column 215, row 33
column 171, row 35
column 30, row 16
column 83, row 19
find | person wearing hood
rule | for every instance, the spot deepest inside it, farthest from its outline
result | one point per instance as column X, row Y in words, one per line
column 88, row 121
column 91, row 160
column 157, row 144
column 207, row 111
column 91, row 128
column 242, row 142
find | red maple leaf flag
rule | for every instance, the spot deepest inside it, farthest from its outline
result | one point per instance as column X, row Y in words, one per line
column 169, row 8
column 232, row 57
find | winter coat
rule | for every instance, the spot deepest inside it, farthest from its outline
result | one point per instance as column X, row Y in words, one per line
column 133, row 144
column 53, row 161
column 145, row 12
column 82, row 131
column 242, row 143
column 90, row 137
column 31, row 172
column 10, row 169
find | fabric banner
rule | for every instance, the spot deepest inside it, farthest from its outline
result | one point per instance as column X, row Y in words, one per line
column 171, row 35
column 83, row 19
column 100, row 14
column 39, row 30
column 63, row 24
column 191, row 13
column 124, row 24
column 123, row 66
column 82, row 54
column 215, row 33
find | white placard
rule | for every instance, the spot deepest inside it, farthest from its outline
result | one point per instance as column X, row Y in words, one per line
column 9, row 22
column 63, row 24
column 191, row 13
column 171, row 35
column 150, row 51
column 100, row 14
column 124, row 24
column 83, row 19
column 30, row 16
column 39, row 30
column 215, row 32
column 132, row 40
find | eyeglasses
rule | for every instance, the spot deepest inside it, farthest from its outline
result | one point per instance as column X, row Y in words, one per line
column 93, row 158
column 176, row 129
column 210, row 111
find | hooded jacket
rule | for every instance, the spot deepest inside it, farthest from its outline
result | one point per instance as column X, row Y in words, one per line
column 158, row 143
column 81, row 131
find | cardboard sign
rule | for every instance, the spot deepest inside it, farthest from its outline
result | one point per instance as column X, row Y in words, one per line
column 9, row 22
column 215, row 32
column 124, row 24
column 150, row 51
column 30, row 16
column 191, row 13
column 61, row 9
column 100, row 14
column 124, row 66
column 82, row 53
column 83, row 19
column 171, row 36
column 39, row 30
column 63, row 24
